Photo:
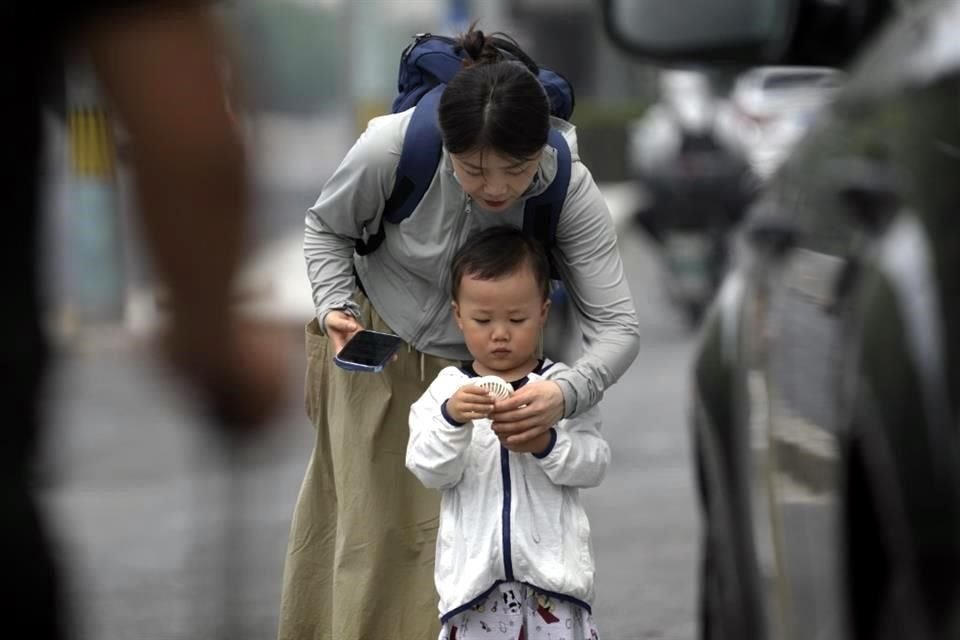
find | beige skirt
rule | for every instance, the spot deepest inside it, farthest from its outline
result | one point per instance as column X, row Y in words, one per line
column 361, row 550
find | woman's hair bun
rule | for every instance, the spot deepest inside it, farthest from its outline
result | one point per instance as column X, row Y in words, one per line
column 473, row 43
column 497, row 47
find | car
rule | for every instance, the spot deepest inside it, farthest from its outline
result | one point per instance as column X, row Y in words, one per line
column 771, row 107
column 826, row 378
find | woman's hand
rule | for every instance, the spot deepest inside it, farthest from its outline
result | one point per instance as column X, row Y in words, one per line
column 470, row 402
column 340, row 327
column 523, row 419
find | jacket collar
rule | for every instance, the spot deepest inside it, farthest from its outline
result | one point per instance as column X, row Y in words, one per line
column 542, row 366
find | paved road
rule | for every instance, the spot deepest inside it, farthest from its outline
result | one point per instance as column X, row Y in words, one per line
column 644, row 517
column 147, row 533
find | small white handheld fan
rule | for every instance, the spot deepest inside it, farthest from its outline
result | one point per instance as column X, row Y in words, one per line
column 499, row 387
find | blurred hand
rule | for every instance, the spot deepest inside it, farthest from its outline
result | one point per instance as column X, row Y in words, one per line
column 340, row 327
column 241, row 378
column 527, row 415
column 470, row 402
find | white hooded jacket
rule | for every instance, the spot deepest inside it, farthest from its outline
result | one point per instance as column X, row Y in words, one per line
column 506, row 516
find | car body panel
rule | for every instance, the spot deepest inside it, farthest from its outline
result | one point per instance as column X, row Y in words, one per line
column 845, row 374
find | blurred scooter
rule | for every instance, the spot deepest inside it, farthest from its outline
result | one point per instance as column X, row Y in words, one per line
column 698, row 189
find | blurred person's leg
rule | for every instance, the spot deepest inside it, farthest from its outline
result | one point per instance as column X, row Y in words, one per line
column 361, row 553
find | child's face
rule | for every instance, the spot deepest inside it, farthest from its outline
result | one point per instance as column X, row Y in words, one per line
column 501, row 322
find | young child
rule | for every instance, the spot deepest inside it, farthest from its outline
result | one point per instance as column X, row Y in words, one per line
column 514, row 557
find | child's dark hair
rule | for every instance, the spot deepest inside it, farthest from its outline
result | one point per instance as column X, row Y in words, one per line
column 498, row 252
column 496, row 101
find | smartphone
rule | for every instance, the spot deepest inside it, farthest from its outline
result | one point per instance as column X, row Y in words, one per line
column 368, row 351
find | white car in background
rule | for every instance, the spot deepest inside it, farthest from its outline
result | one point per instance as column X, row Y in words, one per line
column 770, row 108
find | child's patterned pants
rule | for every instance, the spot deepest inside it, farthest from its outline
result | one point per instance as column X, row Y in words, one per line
column 515, row 611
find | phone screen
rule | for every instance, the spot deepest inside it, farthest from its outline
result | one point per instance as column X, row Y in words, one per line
column 369, row 348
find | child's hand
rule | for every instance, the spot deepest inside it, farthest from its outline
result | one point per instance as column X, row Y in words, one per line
column 469, row 403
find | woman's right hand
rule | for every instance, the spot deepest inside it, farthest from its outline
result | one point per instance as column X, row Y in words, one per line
column 340, row 327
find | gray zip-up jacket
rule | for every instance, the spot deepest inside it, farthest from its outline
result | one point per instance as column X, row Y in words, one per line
column 407, row 277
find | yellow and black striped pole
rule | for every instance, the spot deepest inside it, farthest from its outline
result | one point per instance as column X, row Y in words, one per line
column 97, row 290
column 93, row 153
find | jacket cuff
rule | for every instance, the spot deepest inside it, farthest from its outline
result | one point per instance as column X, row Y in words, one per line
column 569, row 396
column 446, row 416
column 553, row 441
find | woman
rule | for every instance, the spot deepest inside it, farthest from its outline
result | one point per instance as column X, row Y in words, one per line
column 361, row 549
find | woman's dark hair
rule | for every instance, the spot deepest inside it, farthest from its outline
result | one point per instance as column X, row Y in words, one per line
column 498, row 252
column 495, row 101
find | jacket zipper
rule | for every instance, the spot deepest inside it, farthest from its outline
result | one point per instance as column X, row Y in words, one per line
column 505, row 524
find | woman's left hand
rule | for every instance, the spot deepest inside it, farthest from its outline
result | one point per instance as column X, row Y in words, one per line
column 528, row 413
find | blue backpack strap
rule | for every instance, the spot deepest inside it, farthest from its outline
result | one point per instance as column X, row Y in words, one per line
column 541, row 214
column 419, row 159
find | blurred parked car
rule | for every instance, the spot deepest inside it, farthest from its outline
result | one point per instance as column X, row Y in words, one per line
column 697, row 187
column 770, row 108
column 827, row 373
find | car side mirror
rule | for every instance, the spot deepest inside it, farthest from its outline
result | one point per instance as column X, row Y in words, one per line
column 694, row 31
column 742, row 32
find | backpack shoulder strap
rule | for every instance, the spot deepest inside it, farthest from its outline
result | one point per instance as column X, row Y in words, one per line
column 541, row 214
column 419, row 159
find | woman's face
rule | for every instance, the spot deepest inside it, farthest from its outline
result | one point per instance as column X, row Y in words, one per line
column 493, row 180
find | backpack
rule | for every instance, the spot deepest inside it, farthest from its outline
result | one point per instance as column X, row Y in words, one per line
column 426, row 65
